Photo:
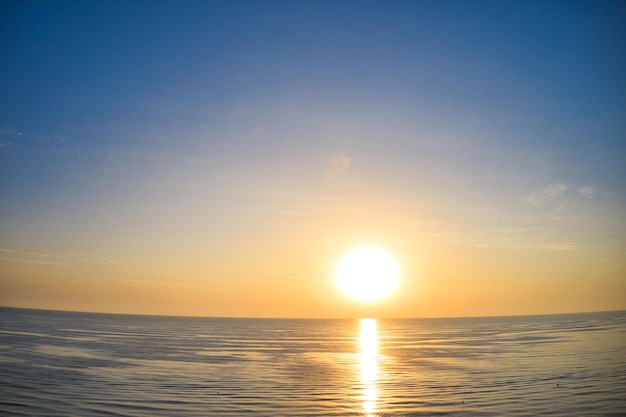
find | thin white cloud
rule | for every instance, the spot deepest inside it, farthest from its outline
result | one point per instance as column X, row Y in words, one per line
column 32, row 261
column 173, row 285
column 508, row 238
column 560, row 198
column 298, row 277
column 43, row 255
column 338, row 164
column 586, row 191
column 51, row 258
column 48, row 146
column 562, row 246
column 88, row 258
column 546, row 195
column 554, row 190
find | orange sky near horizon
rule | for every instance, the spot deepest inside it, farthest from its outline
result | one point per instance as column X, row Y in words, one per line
column 292, row 276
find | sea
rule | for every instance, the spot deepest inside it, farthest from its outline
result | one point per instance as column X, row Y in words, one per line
column 84, row 364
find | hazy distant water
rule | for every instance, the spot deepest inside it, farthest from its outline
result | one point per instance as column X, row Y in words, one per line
column 72, row 364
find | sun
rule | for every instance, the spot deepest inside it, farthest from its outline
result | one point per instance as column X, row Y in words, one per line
column 367, row 274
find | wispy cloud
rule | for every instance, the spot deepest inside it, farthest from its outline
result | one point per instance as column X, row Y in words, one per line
column 32, row 261
column 173, row 285
column 559, row 197
column 338, row 164
column 87, row 258
column 298, row 277
column 507, row 238
column 58, row 259
column 15, row 140
column 562, row 246
column 586, row 191
column 40, row 146
column 547, row 195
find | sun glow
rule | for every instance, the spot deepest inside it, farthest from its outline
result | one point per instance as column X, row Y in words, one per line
column 367, row 274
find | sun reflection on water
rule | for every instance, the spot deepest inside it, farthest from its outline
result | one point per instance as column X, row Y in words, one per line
column 368, row 355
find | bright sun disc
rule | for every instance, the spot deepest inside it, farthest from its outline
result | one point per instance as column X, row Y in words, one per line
column 367, row 274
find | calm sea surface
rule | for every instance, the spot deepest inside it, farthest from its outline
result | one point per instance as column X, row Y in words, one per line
column 75, row 364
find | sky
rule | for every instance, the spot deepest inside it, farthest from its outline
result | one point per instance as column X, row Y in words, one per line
column 217, row 158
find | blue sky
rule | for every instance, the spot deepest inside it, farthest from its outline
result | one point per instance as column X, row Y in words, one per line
column 168, row 135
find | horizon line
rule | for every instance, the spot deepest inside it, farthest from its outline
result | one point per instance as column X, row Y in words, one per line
column 305, row 318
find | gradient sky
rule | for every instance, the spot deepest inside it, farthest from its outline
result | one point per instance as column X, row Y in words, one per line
column 217, row 158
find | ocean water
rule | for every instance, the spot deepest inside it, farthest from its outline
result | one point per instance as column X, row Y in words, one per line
column 76, row 364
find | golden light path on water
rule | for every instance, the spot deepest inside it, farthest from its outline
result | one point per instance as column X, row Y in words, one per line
column 368, row 355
